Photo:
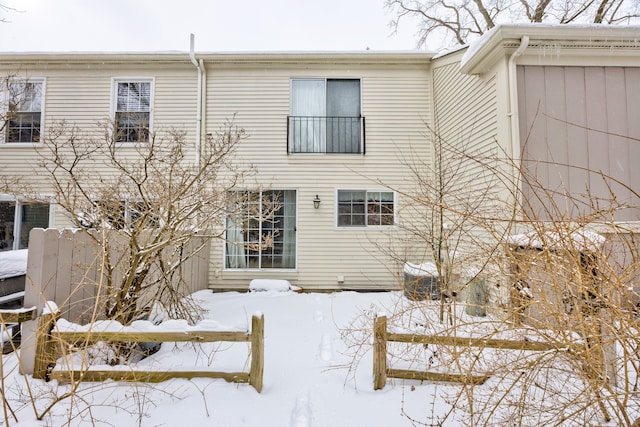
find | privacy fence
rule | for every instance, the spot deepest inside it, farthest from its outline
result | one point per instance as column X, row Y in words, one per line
column 69, row 268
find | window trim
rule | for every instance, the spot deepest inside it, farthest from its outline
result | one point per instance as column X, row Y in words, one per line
column 366, row 226
column 4, row 107
column 114, row 103
column 127, row 212
column 261, row 269
column 362, row 146
column 17, row 213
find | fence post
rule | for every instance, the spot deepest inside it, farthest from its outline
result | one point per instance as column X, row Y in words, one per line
column 380, row 352
column 46, row 350
column 40, row 286
column 257, row 351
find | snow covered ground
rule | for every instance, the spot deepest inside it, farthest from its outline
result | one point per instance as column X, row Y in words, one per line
column 308, row 380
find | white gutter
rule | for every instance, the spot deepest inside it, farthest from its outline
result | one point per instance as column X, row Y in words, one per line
column 199, row 108
column 513, row 99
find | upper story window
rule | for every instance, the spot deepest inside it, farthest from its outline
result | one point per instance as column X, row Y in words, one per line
column 361, row 208
column 23, row 116
column 325, row 116
column 132, row 119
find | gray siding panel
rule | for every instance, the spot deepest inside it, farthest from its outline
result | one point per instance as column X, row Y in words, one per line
column 580, row 140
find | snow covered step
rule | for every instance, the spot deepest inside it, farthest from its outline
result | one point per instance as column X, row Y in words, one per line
column 276, row 285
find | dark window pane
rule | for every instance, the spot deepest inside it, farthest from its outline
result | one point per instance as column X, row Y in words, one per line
column 7, row 217
column 132, row 127
column 343, row 116
column 23, row 127
column 34, row 215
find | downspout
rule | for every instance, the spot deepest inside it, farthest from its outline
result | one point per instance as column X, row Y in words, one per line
column 199, row 107
column 513, row 98
column 514, row 125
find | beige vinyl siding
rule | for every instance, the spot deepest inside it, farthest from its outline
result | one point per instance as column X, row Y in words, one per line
column 81, row 94
column 467, row 129
column 395, row 102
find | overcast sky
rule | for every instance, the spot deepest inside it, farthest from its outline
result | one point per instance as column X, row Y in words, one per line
column 219, row 25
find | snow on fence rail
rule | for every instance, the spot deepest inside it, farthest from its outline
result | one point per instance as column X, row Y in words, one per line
column 381, row 336
column 17, row 315
column 48, row 340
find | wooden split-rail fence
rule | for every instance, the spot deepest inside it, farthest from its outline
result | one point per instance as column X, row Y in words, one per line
column 10, row 318
column 381, row 336
column 49, row 340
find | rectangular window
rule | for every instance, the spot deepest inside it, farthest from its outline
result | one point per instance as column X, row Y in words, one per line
column 132, row 111
column 325, row 116
column 360, row 208
column 261, row 230
column 24, row 112
column 16, row 221
column 121, row 214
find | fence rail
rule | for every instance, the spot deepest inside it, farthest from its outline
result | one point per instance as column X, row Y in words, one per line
column 48, row 341
column 11, row 319
column 381, row 371
column 17, row 315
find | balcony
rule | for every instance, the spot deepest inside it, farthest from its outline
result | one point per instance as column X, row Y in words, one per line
column 327, row 135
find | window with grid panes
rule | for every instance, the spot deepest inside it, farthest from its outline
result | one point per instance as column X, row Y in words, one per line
column 132, row 111
column 361, row 208
column 24, row 112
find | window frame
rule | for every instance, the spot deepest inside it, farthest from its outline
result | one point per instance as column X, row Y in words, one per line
column 126, row 215
column 260, row 268
column 4, row 108
column 17, row 217
column 366, row 210
column 325, row 80
column 113, row 109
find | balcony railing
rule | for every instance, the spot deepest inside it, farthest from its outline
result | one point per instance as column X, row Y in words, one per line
column 321, row 134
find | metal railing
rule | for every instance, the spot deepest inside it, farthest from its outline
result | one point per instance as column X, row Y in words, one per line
column 322, row 134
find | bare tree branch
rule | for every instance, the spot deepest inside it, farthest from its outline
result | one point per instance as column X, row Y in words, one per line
column 458, row 20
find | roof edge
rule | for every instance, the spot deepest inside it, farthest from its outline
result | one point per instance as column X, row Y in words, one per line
column 485, row 51
column 244, row 57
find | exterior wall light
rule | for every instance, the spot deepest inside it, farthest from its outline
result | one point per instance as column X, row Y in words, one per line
column 316, row 202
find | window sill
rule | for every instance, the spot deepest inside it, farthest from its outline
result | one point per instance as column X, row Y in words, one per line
column 296, row 154
column 131, row 144
column 20, row 144
column 367, row 228
column 260, row 270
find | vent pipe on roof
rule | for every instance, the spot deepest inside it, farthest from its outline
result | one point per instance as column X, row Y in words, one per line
column 200, row 106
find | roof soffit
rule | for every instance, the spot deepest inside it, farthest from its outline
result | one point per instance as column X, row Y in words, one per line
column 551, row 41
